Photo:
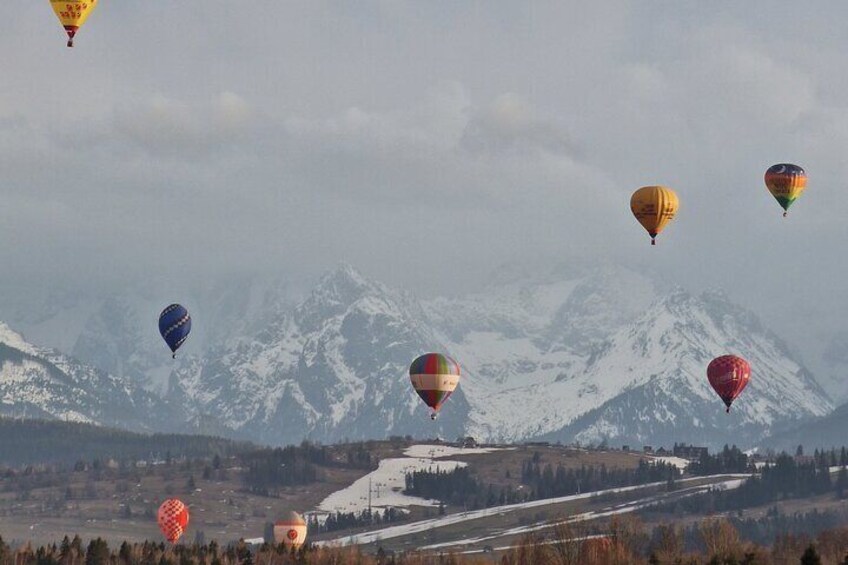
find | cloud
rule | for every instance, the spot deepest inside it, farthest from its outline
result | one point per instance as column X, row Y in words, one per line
column 292, row 136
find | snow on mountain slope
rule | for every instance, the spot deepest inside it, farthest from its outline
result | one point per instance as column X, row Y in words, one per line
column 39, row 382
column 333, row 367
column 617, row 358
column 524, row 346
column 587, row 354
column 649, row 378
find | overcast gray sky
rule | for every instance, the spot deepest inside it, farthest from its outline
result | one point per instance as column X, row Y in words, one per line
column 427, row 142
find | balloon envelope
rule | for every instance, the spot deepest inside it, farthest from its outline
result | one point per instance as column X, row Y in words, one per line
column 174, row 325
column 290, row 530
column 434, row 377
column 72, row 14
column 654, row 207
column 173, row 519
column 728, row 375
column 786, row 182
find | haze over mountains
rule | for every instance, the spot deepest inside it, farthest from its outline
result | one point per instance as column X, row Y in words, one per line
column 578, row 354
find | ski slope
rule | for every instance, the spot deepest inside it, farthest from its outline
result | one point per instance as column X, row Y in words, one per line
column 616, row 510
column 729, row 481
column 386, row 484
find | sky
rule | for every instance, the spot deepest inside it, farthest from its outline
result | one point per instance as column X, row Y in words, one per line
column 428, row 143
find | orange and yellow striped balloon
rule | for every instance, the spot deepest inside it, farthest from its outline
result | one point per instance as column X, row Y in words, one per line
column 654, row 207
column 72, row 14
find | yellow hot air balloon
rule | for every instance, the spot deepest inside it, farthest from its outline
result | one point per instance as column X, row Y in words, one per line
column 72, row 14
column 291, row 530
column 654, row 207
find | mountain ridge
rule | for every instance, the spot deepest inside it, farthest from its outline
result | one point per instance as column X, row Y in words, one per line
column 585, row 354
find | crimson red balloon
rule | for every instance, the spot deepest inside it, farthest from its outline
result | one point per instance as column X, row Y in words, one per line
column 729, row 375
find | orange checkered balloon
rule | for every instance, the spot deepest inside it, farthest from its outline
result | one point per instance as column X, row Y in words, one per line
column 173, row 519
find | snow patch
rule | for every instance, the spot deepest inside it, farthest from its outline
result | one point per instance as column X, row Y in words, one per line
column 386, row 486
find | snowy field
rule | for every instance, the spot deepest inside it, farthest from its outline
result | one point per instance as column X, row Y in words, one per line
column 678, row 462
column 439, row 451
column 388, row 481
column 617, row 510
column 730, row 481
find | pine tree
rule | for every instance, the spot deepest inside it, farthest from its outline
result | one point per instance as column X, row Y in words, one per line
column 5, row 553
column 64, row 549
column 125, row 553
column 97, row 553
column 811, row 556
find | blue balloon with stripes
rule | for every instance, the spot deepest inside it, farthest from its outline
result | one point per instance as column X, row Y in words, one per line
column 174, row 325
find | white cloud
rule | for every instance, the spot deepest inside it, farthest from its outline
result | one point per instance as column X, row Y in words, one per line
column 237, row 137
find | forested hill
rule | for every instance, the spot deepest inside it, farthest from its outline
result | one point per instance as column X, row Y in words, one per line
column 25, row 442
column 825, row 432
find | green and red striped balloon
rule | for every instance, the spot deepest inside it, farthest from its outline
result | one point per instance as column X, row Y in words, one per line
column 435, row 377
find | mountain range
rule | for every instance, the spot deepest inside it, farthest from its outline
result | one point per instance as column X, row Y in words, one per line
column 588, row 354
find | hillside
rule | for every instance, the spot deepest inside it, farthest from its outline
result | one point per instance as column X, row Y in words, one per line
column 825, row 432
column 34, row 442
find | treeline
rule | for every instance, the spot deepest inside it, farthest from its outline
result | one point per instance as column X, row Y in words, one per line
column 624, row 541
column 460, row 486
column 724, row 542
column 350, row 520
column 734, row 460
column 785, row 478
column 728, row 460
column 269, row 470
column 547, row 482
column 767, row 529
column 30, row 442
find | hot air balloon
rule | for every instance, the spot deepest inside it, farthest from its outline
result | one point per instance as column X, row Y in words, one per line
column 434, row 377
column 173, row 519
column 728, row 375
column 174, row 325
column 786, row 182
column 72, row 14
column 654, row 207
column 291, row 530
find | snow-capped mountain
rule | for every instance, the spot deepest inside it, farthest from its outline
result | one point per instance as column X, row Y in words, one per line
column 333, row 367
column 660, row 358
column 579, row 354
column 42, row 383
column 609, row 355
